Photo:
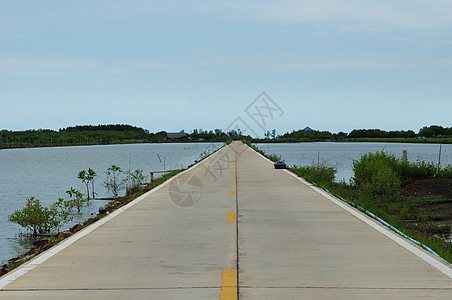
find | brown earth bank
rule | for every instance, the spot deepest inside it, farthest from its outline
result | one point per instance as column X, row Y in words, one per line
column 435, row 198
column 431, row 188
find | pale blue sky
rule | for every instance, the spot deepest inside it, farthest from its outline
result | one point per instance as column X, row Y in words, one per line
column 168, row 65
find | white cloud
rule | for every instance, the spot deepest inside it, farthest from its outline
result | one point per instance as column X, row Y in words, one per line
column 40, row 66
column 348, row 14
column 329, row 61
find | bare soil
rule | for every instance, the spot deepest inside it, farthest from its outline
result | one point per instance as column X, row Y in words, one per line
column 430, row 188
column 440, row 189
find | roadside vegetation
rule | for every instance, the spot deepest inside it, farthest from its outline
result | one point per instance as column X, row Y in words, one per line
column 414, row 197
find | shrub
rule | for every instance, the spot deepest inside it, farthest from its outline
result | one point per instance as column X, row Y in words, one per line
column 378, row 175
column 114, row 183
column 384, row 183
column 86, row 177
column 76, row 199
column 319, row 174
column 33, row 216
column 135, row 181
column 274, row 157
column 368, row 165
column 60, row 214
column 40, row 219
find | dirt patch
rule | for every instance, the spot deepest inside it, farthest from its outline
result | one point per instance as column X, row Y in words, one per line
column 429, row 188
column 437, row 195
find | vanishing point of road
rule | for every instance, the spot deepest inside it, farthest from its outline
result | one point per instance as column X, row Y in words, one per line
column 233, row 227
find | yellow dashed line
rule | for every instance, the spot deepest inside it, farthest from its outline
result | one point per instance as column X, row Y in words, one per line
column 233, row 172
column 229, row 285
column 233, row 179
column 232, row 217
column 232, row 193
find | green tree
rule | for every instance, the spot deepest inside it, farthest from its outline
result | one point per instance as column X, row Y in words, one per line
column 60, row 214
column 40, row 219
column 76, row 199
column 91, row 176
column 114, row 183
column 135, row 180
column 82, row 175
column 33, row 216
column 87, row 177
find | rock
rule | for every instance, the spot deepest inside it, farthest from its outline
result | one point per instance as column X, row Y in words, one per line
column 61, row 235
column 89, row 221
column 40, row 243
column 47, row 247
column 4, row 270
column 76, row 227
column 102, row 210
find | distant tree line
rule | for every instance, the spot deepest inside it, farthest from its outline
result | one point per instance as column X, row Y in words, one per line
column 432, row 133
column 377, row 133
column 127, row 134
column 106, row 134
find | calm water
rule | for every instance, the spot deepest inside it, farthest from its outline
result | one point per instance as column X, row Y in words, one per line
column 47, row 173
column 342, row 155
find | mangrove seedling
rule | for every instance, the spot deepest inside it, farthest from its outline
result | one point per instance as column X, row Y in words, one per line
column 76, row 199
column 114, row 183
column 86, row 177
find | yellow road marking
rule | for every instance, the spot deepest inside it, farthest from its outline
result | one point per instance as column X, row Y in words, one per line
column 232, row 217
column 229, row 285
column 232, row 193
column 233, row 172
column 233, row 179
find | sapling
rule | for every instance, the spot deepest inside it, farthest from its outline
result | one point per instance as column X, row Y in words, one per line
column 91, row 175
column 86, row 177
column 114, row 183
column 76, row 199
column 40, row 219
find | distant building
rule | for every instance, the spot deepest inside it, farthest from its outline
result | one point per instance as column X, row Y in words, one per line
column 176, row 136
column 307, row 128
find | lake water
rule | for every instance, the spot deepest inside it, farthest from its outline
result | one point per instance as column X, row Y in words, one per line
column 47, row 173
column 341, row 155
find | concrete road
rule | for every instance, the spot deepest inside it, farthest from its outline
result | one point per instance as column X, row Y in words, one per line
column 294, row 243
column 180, row 241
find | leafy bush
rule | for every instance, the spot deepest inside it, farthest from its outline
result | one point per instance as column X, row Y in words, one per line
column 114, row 183
column 274, row 157
column 76, row 199
column 384, row 183
column 318, row 174
column 86, row 177
column 40, row 219
column 375, row 174
column 135, row 181
column 368, row 165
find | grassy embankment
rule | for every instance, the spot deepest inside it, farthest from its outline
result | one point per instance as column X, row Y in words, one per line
column 377, row 186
